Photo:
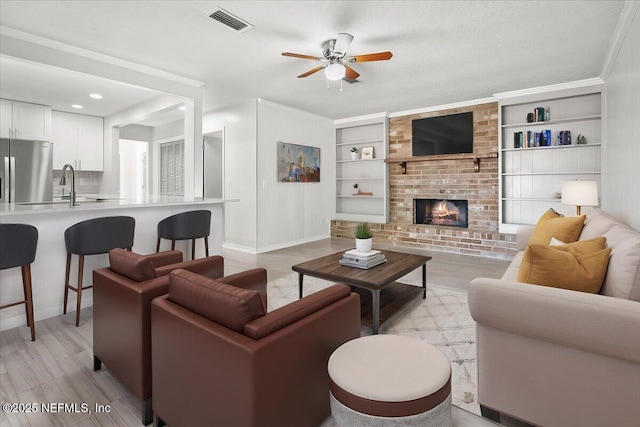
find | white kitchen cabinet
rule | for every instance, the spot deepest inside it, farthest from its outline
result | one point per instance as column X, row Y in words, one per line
column 77, row 140
column 21, row 120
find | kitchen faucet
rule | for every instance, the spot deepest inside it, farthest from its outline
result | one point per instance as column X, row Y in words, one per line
column 63, row 181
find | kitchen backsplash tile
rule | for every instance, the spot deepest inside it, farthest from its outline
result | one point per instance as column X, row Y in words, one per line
column 86, row 183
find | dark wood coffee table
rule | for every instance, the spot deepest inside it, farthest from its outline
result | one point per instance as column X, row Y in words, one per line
column 379, row 281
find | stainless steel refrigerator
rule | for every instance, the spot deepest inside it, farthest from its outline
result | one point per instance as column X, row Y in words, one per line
column 26, row 171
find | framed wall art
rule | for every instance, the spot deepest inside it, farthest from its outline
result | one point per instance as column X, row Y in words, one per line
column 298, row 163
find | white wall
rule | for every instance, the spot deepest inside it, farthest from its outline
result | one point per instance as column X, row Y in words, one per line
column 239, row 124
column 168, row 130
column 137, row 133
column 291, row 213
column 621, row 180
column 213, row 166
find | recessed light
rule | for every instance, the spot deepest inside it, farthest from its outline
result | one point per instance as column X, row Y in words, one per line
column 77, row 106
column 181, row 108
column 96, row 96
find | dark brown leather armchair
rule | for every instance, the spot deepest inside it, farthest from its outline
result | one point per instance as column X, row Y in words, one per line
column 219, row 360
column 122, row 297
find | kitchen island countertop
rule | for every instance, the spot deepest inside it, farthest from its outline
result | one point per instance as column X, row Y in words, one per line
column 90, row 202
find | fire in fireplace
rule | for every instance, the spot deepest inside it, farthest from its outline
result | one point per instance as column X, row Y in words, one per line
column 441, row 212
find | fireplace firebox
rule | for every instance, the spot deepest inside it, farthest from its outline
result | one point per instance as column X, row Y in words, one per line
column 453, row 213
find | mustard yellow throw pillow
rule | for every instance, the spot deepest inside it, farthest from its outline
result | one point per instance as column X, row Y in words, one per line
column 579, row 266
column 553, row 224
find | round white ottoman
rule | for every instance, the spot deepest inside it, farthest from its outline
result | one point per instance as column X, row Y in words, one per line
column 390, row 380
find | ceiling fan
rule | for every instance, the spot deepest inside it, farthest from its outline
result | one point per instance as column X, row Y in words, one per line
column 335, row 62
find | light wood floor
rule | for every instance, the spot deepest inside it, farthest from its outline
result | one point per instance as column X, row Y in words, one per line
column 58, row 366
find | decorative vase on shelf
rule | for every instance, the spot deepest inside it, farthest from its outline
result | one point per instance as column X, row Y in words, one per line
column 364, row 240
column 354, row 153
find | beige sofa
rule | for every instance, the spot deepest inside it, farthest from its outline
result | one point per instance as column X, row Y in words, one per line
column 555, row 357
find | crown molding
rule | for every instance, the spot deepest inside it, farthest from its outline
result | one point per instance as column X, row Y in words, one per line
column 375, row 117
column 629, row 10
column 461, row 104
column 577, row 87
column 52, row 44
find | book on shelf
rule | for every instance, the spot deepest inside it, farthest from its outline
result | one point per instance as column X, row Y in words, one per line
column 363, row 193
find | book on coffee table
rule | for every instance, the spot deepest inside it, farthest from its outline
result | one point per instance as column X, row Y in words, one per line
column 365, row 266
column 354, row 253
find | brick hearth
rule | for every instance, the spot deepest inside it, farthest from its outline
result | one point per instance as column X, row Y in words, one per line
column 443, row 179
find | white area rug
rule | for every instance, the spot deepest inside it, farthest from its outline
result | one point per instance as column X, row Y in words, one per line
column 443, row 320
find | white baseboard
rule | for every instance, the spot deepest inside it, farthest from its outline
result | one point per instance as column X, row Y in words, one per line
column 292, row 243
column 239, row 248
column 20, row 319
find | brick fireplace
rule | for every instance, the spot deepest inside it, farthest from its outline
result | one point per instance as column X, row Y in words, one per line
column 450, row 177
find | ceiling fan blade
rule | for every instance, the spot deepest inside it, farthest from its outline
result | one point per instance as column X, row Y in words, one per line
column 342, row 44
column 380, row 56
column 308, row 73
column 298, row 55
column 350, row 73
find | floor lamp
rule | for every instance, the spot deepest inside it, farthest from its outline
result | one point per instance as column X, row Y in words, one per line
column 579, row 193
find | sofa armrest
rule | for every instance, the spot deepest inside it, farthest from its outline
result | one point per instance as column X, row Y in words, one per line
column 591, row 322
column 165, row 258
column 211, row 267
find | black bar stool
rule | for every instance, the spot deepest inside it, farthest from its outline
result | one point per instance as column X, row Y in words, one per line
column 92, row 237
column 18, row 244
column 190, row 225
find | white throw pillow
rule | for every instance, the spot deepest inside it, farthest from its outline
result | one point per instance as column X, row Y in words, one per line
column 623, row 274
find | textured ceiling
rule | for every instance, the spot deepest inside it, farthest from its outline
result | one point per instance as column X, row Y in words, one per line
column 443, row 51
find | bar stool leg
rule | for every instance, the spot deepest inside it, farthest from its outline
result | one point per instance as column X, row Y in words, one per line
column 173, row 245
column 28, row 296
column 66, row 283
column 206, row 245
column 158, row 245
column 79, row 301
column 193, row 248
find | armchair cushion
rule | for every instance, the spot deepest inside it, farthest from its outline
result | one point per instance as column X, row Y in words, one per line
column 553, row 224
column 224, row 304
column 131, row 265
column 290, row 313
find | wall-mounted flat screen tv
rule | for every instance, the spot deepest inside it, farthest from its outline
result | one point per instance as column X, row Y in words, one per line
column 450, row 134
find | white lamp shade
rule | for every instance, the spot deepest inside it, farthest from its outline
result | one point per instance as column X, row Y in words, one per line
column 335, row 71
column 580, row 193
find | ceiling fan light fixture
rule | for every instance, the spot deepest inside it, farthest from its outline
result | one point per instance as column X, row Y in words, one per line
column 335, row 71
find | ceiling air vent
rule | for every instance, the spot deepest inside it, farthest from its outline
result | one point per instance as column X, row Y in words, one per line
column 230, row 20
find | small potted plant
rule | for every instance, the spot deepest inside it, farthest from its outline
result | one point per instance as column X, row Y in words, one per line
column 355, row 188
column 364, row 240
column 354, row 153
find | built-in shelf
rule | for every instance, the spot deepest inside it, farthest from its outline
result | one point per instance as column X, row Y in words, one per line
column 552, row 147
column 371, row 175
column 372, row 141
column 531, row 178
column 549, row 173
column 359, row 160
column 551, row 122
